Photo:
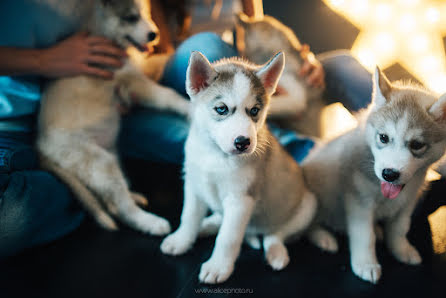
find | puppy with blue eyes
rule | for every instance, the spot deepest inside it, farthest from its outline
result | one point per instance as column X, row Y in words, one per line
column 376, row 173
column 236, row 168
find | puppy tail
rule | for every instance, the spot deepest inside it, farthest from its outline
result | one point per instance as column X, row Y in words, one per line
column 84, row 195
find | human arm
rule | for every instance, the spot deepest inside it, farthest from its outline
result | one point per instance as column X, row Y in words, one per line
column 253, row 8
column 311, row 68
column 76, row 55
column 165, row 44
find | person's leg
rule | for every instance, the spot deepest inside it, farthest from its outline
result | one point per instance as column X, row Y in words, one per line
column 153, row 135
column 159, row 136
column 298, row 146
column 35, row 208
column 347, row 81
column 209, row 44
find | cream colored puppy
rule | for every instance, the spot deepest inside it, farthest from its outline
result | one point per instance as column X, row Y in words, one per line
column 79, row 122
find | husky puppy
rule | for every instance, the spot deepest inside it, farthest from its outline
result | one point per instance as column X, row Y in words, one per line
column 376, row 173
column 79, row 122
column 236, row 168
column 295, row 105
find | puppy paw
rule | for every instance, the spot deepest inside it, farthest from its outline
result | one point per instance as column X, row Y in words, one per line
column 175, row 244
column 215, row 271
column 253, row 242
column 368, row 272
column 210, row 225
column 105, row 221
column 324, row 240
column 159, row 227
column 277, row 256
column 406, row 253
column 139, row 199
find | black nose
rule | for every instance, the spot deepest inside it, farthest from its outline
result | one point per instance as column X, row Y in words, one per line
column 390, row 175
column 241, row 143
column 151, row 36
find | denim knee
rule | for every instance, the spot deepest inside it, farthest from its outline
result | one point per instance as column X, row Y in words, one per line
column 346, row 79
column 209, row 44
column 35, row 208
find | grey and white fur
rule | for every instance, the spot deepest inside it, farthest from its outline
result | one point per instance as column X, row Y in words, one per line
column 236, row 168
column 79, row 122
column 295, row 104
column 376, row 172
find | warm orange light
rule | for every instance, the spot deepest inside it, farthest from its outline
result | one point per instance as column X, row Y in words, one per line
column 408, row 32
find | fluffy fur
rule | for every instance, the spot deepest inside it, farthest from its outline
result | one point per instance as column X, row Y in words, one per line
column 403, row 134
column 253, row 188
column 295, row 105
column 79, row 122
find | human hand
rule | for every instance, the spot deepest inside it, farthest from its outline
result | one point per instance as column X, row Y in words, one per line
column 311, row 68
column 82, row 54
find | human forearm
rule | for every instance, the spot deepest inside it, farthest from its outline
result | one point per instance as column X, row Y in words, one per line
column 159, row 16
column 76, row 55
column 253, row 8
column 18, row 61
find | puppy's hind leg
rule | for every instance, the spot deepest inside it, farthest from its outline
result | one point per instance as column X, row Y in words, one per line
column 139, row 199
column 323, row 239
column 211, row 224
column 99, row 170
column 275, row 251
column 86, row 198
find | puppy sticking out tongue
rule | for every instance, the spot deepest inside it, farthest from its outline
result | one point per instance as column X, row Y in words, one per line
column 390, row 190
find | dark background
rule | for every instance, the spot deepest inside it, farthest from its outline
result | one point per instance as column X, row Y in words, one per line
column 94, row 263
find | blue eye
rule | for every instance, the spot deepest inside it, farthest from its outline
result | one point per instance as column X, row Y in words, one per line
column 383, row 138
column 222, row 110
column 254, row 111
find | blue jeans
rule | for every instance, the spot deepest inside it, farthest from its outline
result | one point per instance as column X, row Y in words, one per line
column 347, row 81
column 35, row 206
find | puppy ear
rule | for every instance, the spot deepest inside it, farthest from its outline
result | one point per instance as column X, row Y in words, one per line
column 438, row 109
column 381, row 88
column 200, row 73
column 270, row 73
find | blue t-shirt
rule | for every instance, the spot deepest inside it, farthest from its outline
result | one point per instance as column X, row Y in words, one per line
column 32, row 24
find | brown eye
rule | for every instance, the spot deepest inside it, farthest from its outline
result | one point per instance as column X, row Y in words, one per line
column 131, row 18
column 416, row 145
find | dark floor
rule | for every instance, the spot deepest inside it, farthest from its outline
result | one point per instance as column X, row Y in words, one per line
column 94, row 263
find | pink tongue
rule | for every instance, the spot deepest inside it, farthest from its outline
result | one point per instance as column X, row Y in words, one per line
column 390, row 190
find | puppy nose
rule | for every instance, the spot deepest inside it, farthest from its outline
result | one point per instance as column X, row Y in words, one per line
column 242, row 143
column 151, row 36
column 390, row 175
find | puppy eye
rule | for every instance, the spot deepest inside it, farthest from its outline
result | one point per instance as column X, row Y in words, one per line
column 222, row 110
column 131, row 18
column 415, row 145
column 383, row 138
column 254, row 111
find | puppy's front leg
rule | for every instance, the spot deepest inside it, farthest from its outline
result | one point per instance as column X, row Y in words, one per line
column 135, row 87
column 359, row 220
column 236, row 215
column 396, row 230
column 194, row 210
